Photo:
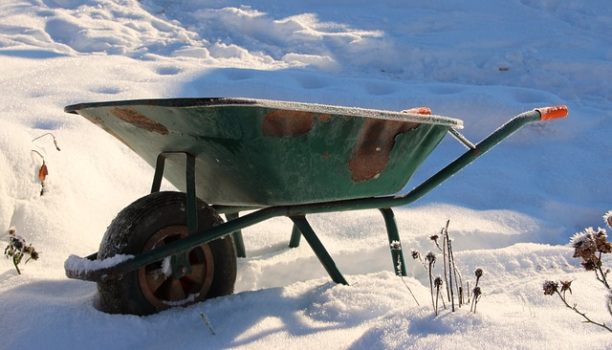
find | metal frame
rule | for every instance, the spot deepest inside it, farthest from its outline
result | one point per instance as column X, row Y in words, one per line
column 297, row 213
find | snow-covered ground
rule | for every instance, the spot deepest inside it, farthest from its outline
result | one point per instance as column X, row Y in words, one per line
column 483, row 61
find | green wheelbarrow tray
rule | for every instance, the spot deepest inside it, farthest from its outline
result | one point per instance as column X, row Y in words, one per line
column 257, row 153
column 271, row 158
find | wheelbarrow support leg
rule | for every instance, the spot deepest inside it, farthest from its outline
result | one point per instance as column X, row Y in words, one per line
column 191, row 204
column 326, row 260
column 237, row 236
column 294, row 242
column 192, row 207
column 180, row 262
column 159, row 173
column 397, row 257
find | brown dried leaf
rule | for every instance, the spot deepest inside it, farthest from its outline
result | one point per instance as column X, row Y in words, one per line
column 43, row 172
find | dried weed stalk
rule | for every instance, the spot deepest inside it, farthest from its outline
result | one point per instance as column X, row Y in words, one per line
column 437, row 284
column 17, row 249
column 43, row 170
column 207, row 323
column 452, row 276
column 589, row 245
column 431, row 259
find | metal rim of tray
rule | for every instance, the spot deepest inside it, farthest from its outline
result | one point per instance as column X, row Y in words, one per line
column 285, row 105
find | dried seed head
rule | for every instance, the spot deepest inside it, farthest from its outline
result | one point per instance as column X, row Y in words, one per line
column 478, row 272
column 434, row 238
column 415, row 254
column 34, row 254
column 438, row 282
column 17, row 242
column 566, row 286
column 608, row 218
column 584, row 244
column 601, row 241
column 550, row 287
column 592, row 263
column 477, row 292
column 431, row 258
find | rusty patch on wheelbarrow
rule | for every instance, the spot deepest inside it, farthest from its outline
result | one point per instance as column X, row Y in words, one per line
column 374, row 144
column 139, row 120
column 282, row 123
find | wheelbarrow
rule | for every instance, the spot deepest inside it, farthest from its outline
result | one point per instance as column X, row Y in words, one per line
column 266, row 158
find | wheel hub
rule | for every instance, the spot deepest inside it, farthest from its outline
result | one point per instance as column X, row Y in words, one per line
column 162, row 286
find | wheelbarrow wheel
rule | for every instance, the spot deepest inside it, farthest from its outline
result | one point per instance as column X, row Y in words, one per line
column 151, row 222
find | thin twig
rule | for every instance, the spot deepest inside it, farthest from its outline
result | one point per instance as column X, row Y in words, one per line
column 398, row 268
column 457, row 274
column 49, row 134
column 444, row 246
column 431, row 259
column 588, row 320
column 40, row 155
column 431, row 287
column 450, row 279
column 603, row 278
column 453, row 267
column 437, row 297
column 410, row 290
column 207, row 322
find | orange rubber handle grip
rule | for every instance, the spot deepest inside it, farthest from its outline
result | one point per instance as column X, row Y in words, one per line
column 418, row 110
column 553, row 112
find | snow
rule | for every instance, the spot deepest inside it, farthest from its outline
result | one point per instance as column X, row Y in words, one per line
column 483, row 61
column 83, row 265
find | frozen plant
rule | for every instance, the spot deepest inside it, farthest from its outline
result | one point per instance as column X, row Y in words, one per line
column 552, row 287
column 437, row 284
column 589, row 245
column 452, row 280
column 477, row 293
column 43, row 171
column 478, row 273
column 17, row 249
column 434, row 238
column 417, row 256
column 431, row 259
column 608, row 218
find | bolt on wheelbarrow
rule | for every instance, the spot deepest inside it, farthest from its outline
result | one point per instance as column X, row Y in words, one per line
column 266, row 158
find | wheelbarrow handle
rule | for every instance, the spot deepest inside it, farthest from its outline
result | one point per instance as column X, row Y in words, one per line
column 552, row 112
column 504, row 131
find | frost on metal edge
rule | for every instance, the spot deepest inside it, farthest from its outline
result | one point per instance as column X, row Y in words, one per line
column 79, row 264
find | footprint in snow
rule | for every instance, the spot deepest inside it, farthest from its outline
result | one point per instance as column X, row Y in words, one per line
column 168, row 70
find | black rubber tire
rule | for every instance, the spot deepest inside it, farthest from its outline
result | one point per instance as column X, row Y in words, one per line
column 133, row 227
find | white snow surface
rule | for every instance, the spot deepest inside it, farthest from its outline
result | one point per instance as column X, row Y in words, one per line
column 512, row 212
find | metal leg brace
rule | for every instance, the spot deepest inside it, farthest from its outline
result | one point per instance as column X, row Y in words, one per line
column 399, row 265
column 318, row 248
column 237, row 236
